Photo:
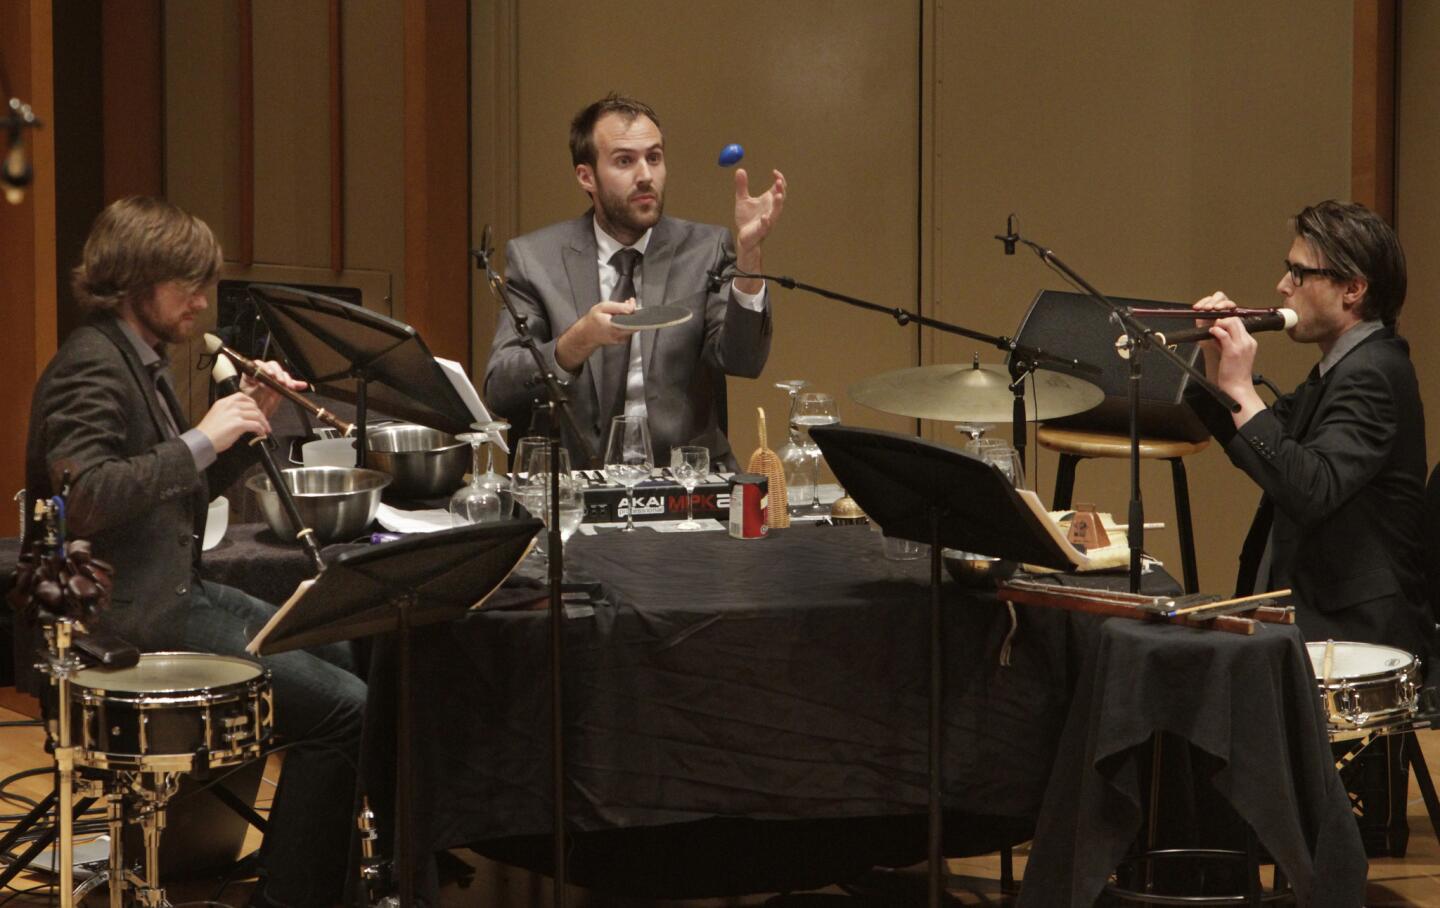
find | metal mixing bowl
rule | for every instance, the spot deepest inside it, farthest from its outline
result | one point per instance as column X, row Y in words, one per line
column 338, row 503
column 423, row 462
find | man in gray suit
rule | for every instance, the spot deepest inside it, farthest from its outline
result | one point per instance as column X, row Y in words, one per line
column 570, row 279
column 105, row 415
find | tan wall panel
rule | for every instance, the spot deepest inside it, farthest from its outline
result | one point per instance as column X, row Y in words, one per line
column 850, row 222
column 1159, row 150
column 292, row 132
column 1418, row 188
column 374, row 171
column 202, row 116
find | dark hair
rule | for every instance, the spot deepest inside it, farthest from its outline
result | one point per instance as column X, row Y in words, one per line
column 582, row 128
column 137, row 243
column 1356, row 242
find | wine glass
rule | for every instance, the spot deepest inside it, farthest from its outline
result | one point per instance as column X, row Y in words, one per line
column 521, row 457
column 490, row 479
column 474, row 502
column 809, row 410
column 794, row 462
column 690, row 464
column 628, row 459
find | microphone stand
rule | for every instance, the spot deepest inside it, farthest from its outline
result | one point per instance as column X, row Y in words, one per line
column 1138, row 337
column 1024, row 359
column 559, row 406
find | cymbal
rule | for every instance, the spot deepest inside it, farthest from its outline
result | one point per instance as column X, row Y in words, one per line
column 973, row 393
column 652, row 318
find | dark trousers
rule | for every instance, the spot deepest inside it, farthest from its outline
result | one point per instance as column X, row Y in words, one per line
column 319, row 705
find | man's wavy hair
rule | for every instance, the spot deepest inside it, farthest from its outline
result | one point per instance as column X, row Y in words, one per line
column 137, row 243
column 1356, row 242
column 582, row 128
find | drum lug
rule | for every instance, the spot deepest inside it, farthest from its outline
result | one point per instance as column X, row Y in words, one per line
column 1348, row 700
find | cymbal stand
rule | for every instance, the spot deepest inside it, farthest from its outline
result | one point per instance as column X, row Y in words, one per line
column 1138, row 337
column 1024, row 359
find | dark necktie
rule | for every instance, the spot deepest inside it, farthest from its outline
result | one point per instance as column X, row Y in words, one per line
column 624, row 262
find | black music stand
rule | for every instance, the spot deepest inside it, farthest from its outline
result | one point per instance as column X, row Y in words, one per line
column 361, row 357
column 930, row 493
column 398, row 586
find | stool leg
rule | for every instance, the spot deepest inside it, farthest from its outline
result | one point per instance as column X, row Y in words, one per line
column 1007, row 870
column 1182, row 518
column 1065, row 482
column 1416, row 760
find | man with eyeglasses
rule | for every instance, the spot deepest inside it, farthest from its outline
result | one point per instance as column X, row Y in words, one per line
column 1340, row 460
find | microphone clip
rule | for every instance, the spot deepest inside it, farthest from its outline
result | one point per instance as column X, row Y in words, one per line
column 1011, row 237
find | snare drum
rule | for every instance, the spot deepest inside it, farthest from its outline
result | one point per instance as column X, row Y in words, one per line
column 172, row 712
column 1369, row 685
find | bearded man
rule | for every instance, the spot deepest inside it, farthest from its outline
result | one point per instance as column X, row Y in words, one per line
column 570, row 279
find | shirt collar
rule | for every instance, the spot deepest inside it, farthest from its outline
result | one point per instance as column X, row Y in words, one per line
column 1349, row 341
column 149, row 356
column 607, row 245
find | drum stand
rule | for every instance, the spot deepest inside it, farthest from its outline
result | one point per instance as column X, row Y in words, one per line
column 146, row 792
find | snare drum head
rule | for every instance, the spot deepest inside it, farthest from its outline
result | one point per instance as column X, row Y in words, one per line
column 171, row 673
column 1357, row 660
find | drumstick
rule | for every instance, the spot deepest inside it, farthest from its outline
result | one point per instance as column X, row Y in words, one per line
column 1277, row 594
column 1328, row 662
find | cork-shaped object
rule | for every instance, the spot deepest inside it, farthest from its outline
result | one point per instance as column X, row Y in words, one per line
column 767, row 463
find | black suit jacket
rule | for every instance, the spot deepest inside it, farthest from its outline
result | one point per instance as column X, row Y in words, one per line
column 134, row 493
column 555, row 273
column 1345, row 491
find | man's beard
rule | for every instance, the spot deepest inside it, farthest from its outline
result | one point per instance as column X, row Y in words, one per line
column 167, row 333
column 619, row 213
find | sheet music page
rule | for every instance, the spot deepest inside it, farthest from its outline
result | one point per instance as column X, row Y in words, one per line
column 466, row 389
column 253, row 647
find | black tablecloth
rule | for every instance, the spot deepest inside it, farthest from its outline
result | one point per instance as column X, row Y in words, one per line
column 1249, row 706
column 763, row 693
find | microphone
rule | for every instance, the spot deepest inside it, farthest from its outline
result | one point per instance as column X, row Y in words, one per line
column 16, row 172
column 715, row 277
column 1011, row 237
column 1279, row 320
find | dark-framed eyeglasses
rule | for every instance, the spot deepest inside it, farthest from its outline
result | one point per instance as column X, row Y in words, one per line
column 1299, row 272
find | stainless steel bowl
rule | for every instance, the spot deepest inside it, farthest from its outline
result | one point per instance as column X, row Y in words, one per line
column 423, row 462
column 338, row 503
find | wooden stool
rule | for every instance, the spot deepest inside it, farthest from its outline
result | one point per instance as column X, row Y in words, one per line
column 1074, row 445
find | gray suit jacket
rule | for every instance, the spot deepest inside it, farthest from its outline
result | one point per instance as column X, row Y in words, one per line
column 556, row 278
column 135, row 494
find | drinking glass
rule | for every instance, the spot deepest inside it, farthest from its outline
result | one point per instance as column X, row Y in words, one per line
column 629, row 458
column 998, row 452
column 690, row 464
column 521, row 457
column 812, row 409
column 496, row 482
column 540, row 462
column 572, row 507
column 474, row 502
column 794, row 462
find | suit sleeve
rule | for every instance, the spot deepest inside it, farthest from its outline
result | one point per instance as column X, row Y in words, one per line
column 85, row 430
column 1348, row 444
column 737, row 339
column 511, row 379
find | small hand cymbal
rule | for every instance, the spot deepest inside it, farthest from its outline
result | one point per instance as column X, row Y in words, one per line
column 973, row 393
column 652, row 317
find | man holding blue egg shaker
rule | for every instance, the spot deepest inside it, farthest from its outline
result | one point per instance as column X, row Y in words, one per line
column 573, row 278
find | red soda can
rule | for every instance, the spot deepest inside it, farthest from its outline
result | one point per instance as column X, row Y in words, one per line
column 749, row 505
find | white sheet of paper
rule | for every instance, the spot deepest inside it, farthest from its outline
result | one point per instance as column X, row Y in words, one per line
column 426, row 521
column 466, row 389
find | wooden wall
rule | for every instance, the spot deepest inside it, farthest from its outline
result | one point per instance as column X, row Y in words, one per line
column 1160, row 148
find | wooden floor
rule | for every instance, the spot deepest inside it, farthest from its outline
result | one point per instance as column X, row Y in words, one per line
column 1411, row 881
